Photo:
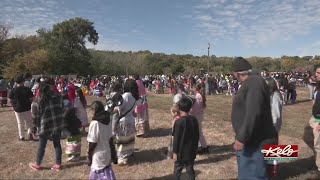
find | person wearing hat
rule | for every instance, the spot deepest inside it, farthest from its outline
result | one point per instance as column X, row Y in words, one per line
column 252, row 121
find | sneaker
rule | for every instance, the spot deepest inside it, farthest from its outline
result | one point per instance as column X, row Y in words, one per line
column 73, row 159
column 34, row 166
column 122, row 163
column 21, row 139
column 56, row 167
column 203, row 150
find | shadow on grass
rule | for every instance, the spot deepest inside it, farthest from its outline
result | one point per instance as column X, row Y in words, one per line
column 148, row 156
column 300, row 166
column 83, row 161
column 215, row 158
column 296, row 168
column 215, row 154
column 220, row 149
column 160, row 132
column 299, row 102
column 171, row 176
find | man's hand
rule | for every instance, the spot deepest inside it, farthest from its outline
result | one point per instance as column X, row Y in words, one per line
column 238, row 146
column 317, row 127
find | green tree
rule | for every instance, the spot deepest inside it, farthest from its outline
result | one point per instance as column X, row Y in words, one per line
column 36, row 62
column 65, row 44
column 177, row 68
column 288, row 64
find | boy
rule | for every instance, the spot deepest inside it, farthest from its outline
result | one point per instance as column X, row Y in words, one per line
column 185, row 140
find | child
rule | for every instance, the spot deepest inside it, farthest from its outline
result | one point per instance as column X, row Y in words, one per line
column 101, row 150
column 197, row 111
column 176, row 115
column 157, row 86
column 276, row 102
column 230, row 88
column 66, row 102
column 185, row 140
column 115, row 92
column 73, row 140
column 80, row 104
column 97, row 91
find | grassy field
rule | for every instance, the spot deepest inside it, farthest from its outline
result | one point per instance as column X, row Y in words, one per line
column 149, row 162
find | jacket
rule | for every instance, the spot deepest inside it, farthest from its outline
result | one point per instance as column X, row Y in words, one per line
column 50, row 117
column 251, row 113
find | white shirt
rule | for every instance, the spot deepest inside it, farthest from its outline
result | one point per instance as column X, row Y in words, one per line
column 27, row 83
column 81, row 111
column 100, row 133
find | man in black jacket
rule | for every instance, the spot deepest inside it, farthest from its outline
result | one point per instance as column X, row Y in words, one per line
column 251, row 121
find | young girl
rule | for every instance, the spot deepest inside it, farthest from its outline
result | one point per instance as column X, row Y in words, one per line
column 115, row 92
column 80, row 104
column 197, row 111
column 101, row 150
column 158, row 86
column 73, row 140
column 125, row 130
column 230, row 88
column 176, row 115
column 276, row 102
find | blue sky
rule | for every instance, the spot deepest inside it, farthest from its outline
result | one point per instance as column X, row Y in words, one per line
column 233, row 27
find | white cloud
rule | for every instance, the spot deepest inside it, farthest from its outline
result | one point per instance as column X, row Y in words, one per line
column 312, row 49
column 28, row 16
column 204, row 18
column 252, row 21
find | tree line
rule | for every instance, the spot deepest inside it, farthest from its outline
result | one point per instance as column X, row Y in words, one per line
column 62, row 50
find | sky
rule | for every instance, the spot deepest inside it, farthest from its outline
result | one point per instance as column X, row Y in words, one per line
column 232, row 27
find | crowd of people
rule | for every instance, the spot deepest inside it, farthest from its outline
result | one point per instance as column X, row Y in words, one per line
column 56, row 108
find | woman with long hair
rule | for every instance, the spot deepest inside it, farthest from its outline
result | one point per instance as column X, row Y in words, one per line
column 49, row 120
column 198, row 111
column 311, row 85
column 125, row 126
column 276, row 102
column 80, row 104
column 142, row 119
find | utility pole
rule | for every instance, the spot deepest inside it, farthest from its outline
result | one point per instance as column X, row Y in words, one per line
column 208, row 56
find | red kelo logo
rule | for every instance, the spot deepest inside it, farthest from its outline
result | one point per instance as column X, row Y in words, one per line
column 280, row 152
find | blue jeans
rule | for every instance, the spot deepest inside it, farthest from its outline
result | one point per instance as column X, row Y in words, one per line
column 251, row 164
column 43, row 139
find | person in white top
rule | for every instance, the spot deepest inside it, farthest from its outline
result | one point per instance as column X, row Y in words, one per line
column 101, row 152
column 80, row 104
column 125, row 130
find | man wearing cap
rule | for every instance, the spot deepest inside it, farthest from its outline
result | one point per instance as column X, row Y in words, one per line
column 251, row 121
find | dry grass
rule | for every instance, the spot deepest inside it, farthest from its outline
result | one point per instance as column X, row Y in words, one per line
column 149, row 161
